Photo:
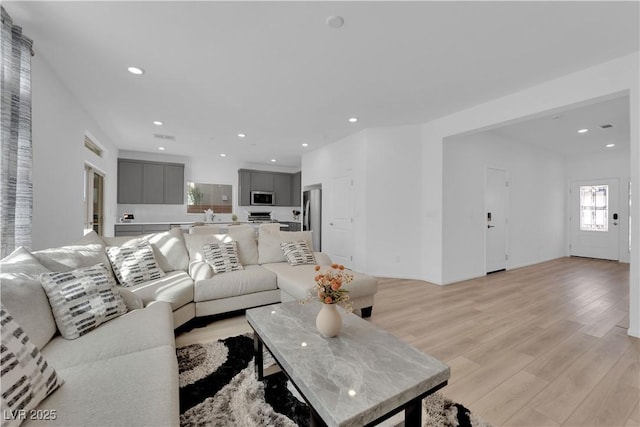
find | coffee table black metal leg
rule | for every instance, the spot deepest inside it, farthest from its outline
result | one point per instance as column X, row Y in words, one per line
column 315, row 419
column 257, row 350
column 413, row 413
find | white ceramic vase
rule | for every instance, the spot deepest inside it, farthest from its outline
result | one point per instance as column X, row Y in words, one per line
column 329, row 321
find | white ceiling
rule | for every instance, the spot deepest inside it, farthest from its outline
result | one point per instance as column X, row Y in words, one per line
column 277, row 72
column 558, row 130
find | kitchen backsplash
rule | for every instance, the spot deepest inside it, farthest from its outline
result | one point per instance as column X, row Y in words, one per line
column 178, row 213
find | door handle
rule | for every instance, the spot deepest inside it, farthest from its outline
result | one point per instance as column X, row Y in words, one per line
column 490, row 226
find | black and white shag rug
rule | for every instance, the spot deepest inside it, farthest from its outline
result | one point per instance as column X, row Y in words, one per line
column 218, row 388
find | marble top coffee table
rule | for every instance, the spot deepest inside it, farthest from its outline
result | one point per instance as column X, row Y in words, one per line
column 361, row 377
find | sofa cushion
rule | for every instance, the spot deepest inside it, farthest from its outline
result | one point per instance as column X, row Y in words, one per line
column 222, row 257
column 82, row 299
column 67, row 258
column 244, row 236
column 134, row 389
column 252, row 279
column 27, row 378
column 90, row 238
column 269, row 241
column 176, row 288
column 134, row 264
column 168, row 248
column 134, row 331
column 23, row 295
column 297, row 253
column 298, row 281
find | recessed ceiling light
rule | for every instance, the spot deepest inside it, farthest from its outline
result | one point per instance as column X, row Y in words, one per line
column 161, row 148
column 353, row 120
column 610, row 145
column 273, row 160
column 335, row 21
column 158, row 123
column 583, row 131
column 135, row 70
column 304, row 144
column 241, row 135
column 223, row 155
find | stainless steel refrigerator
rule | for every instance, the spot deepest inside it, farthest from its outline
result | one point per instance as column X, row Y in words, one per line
column 312, row 215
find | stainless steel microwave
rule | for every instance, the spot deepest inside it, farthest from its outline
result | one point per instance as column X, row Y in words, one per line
column 263, row 198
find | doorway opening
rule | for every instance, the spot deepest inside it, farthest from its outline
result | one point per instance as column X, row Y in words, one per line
column 93, row 200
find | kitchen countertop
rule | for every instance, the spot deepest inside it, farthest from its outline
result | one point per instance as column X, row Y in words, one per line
column 196, row 222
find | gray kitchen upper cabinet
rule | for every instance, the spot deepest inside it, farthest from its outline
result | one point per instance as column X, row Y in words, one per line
column 142, row 182
column 282, row 188
column 286, row 186
column 174, row 184
column 262, row 181
column 129, row 181
column 244, row 188
column 296, row 189
column 152, row 183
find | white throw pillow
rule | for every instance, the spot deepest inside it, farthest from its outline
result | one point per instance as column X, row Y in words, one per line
column 298, row 253
column 82, row 299
column 134, row 264
column 22, row 294
column 168, row 247
column 27, row 379
column 222, row 257
column 269, row 249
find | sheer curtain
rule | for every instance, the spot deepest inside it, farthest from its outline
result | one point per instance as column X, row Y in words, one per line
column 16, row 195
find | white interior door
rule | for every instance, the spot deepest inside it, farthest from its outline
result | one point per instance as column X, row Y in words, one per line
column 594, row 219
column 496, row 220
column 338, row 237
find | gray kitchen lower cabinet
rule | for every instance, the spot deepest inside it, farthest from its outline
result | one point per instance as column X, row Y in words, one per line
column 139, row 229
column 291, row 226
column 128, row 230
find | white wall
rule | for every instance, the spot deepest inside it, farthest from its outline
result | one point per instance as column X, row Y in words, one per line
column 612, row 163
column 385, row 165
column 59, row 156
column 346, row 156
column 536, row 205
column 208, row 168
column 393, row 202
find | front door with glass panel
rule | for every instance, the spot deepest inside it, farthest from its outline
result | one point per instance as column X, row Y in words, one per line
column 594, row 219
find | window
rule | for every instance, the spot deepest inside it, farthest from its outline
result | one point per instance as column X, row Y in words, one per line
column 594, row 208
column 92, row 146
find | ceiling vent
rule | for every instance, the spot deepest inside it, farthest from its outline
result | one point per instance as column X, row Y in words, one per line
column 168, row 137
column 607, row 126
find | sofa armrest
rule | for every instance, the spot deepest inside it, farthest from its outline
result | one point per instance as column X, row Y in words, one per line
column 133, row 301
column 322, row 258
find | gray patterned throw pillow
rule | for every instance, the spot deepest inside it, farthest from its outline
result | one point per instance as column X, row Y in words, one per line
column 27, row 379
column 298, row 253
column 134, row 264
column 222, row 257
column 82, row 299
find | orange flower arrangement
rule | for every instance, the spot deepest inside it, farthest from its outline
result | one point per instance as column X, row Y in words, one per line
column 329, row 286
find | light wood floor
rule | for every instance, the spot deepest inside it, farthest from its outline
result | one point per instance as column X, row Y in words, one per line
column 544, row 345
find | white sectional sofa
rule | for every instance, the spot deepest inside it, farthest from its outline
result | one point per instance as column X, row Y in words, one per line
column 124, row 372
